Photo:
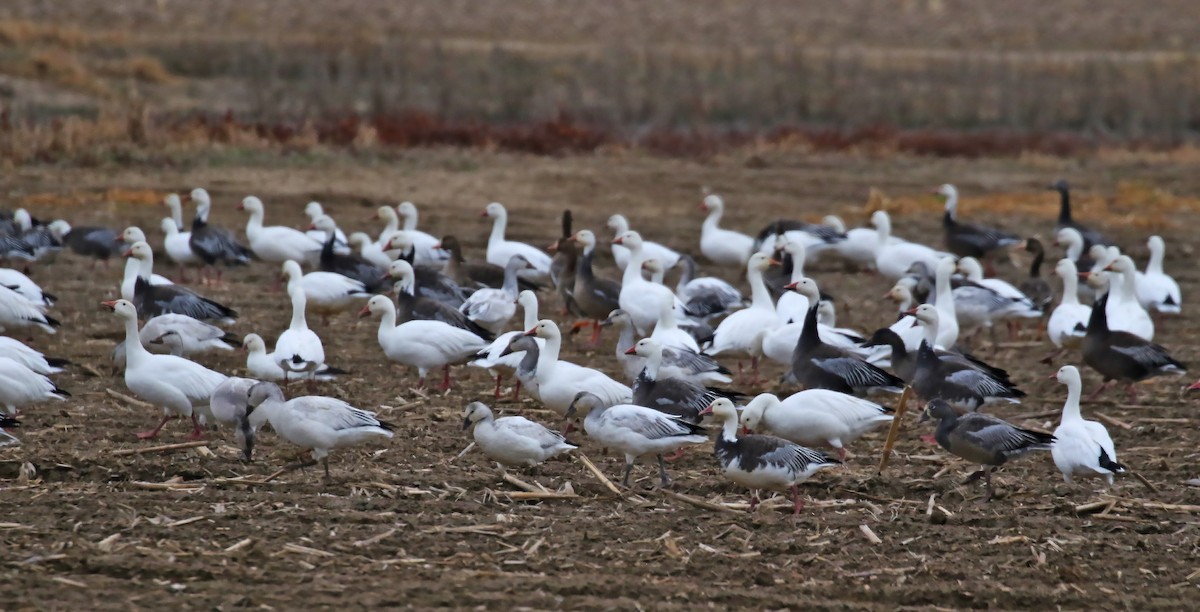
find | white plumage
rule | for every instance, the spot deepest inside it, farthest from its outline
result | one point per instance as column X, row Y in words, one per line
column 1067, row 324
column 276, row 243
column 815, row 417
column 739, row 332
column 299, row 350
column 721, row 246
column 639, row 297
column 1156, row 289
column 18, row 282
column 652, row 250
column 500, row 250
column 21, row 386
column 193, row 337
column 560, row 381
column 493, row 308
column 1124, row 311
column 514, row 441
column 893, row 259
column 425, row 245
column 1081, row 448
column 326, row 292
column 17, row 351
column 634, row 431
column 423, row 344
column 18, row 313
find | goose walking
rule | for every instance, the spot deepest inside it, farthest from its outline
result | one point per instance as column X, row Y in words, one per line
column 560, row 381
column 737, row 333
column 326, row 293
column 1125, row 313
column 639, row 297
column 762, row 462
column 422, row 344
column 1067, row 324
column 1081, row 447
column 815, row 417
column 675, row 396
column 514, row 441
column 688, row 365
column 595, row 297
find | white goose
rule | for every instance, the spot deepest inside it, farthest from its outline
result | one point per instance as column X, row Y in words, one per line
column 635, row 431
column 425, row 245
column 779, row 343
column 653, row 250
column 314, row 211
column 639, row 297
column 1124, row 312
column 298, row 350
column 1156, row 289
column 21, row 386
column 326, row 292
column 18, row 282
column 514, row 441
column 1070, row 239
column 370, row 250
column 495, row 359
column 815, row 417
column 973, row 271
column 276, row 243
column 893, row 259
column 263, row 365
column 1081, row 447
column 947, row 329
column 313, row 422
column 500, row 250
column 30, row 358
column 391, row 223
column 176, row 244
column 560, row 381
column 722, row 247
column 666, row 330
column 860, row 244
column 179, row 386
column 193, row 337
column 145, row 268
column 688, row 365
column 792, row 307
column 422, row 344
column 739, row 333
column 18, row 313
column 1067, row 324
column 228, row 405
column 492, row 308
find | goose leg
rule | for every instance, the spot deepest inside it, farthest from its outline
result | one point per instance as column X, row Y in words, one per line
column 446, row 377
column 517, row 391
column 628, row 470
column 595, row 341
column 975, row 476
column 753, row 500
column 987, row 479
column 797, row 501
column 1133, row 396
column 197, row 433
column 153, row 433
column 841, row 452
column 677, row 455
column 663, row 479
column 290, row 467
column 325, row 463
column 496, row 393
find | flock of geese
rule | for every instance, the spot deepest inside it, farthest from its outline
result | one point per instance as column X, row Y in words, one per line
column 438, row 308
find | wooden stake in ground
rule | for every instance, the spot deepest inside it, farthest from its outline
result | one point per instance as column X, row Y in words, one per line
column 894, row 430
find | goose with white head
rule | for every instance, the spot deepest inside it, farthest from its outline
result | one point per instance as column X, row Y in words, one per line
column 153, row 300
column 211, row 243
column 639, row 297
column 653, row 250
column 425, row 345
column 500, row 249
column 1081, row 448
column 276, row 243
column 514, row 441
column 721, row 246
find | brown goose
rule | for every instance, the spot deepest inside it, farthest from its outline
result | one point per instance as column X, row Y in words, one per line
column 595, row 298
column 817, row 365
column 1090, row 236
column 983, row 439
column 1122, row 356
column 564, row 258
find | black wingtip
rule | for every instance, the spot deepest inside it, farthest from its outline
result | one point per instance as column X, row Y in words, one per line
column 51, row 321
column 58, row 362
column 9, row 421
column 231, row 340
column 334, row 371
column 386, row 425
column 1107, row 463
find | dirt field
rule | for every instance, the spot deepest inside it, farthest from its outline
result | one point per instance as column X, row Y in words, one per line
column 407, row 525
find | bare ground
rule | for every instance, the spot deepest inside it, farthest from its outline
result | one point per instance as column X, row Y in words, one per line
column 407, row 525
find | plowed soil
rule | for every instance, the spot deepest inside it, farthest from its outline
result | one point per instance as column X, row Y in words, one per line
column 410, row 524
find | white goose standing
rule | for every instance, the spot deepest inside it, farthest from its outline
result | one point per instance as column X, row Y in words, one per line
column 721, row 246
column 739, row 332
column 1157, row 289
column 514, row 441
column 423, row 344
column 500, row 250
column 298, row 350
column 276, row 243
column 639, row 297
column 1081, row 447
column 560, row 381
column 653, row 250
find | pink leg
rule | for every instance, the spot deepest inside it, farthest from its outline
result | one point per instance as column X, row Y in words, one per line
column 197, row 433
column 797, row 502
column 595, row 334
column 928, row 439
column 517, row 391
column 676, row 456
column 1133, row 396
column 496, row 394
column 842, row 454
column 446, row 377
column 1099, row 390
column 753, row 500
column 153, row 433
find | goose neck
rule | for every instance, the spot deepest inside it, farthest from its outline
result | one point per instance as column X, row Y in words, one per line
column 299, row 302
column 499, row 224
column 729, row 429
column 760, row 297
column 1071, row 407
column 1155, row 264
column 134, row 351
column 1070, row 289
column 549, row 357
column 653, row 363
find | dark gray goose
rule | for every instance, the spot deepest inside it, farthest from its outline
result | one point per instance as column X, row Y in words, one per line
column 706, row 296
column 763, row 462
column 349, row 265
column 563, row 263
column 211, row 243
column 817, row 365
column 1122, row 356
column 432, row 280
column 38, row 235
column 1036, row 288
column 13, row 247
column 473, row 274
column 1090, row 236
column 675, row 396
column 963, row 385
column 153, row 300
column 413, row 307
column 98, row 243
column 904, row 361
column 594, row 297
column 983, row 439
column 968, row 240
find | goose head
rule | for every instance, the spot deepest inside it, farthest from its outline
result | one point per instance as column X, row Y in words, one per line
column 1066, row 268
column 1068, row 237
column 495, row 210
column 759, row 262
column 1060, row 186
column 140, row 251
column 937, row 410
column 712, row 202
column 618, row 318
column 173, row 202
column 168, row 226
column 377, row 305
column 1122, row 264
column 124, row 309
column 291, row 270
column 630, row 239
column 1067, row 374
column 970, row 268
column 133, row 234
column 253, row 343
column 544, row 329
column 324, row 223
column 926, row 315
column 261, row 392
column 406, row 209
column 1156, row 245
column 584, row 401
column 653, row 267
column 723, row 409
column 400, row 270
column 399, row 240
column 312, row 210
column 251, row 204
column 359, row 239
column 527, row 300
column 752, row 414
column 200, row 196
column 387, row 213
column 474, row 413
column 585, row 239
column 518, row 344
column 899, row 293
column 59, row 228
column 835, row 222
column 808, row 288
column 618, row 224
column 645, row 347
column 949, row 192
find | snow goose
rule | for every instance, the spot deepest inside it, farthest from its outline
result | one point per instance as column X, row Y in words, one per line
column 498, row 357
column 1122, row 356
column 152, row 300
column 18, row 313
column 43, row 241
column 529, row 349
column 1072, row 242
column 860, row 244
column 634, row 431
column 14, row 248
column 977, row 306
column 500, row 250
column 1067, row 324
column 983, row 439
column 973, row 272
column 817, row 365
column 313, row 210
column 514, row 441
column 639, row 297
column 1081, row 447
column 904, row 362
column 228, row 405
column 964, row 385
column 492, row 309
column 706, row 296
column 348, row 265
column 1156, row 289
column 475, row 274
column 594, row 297
column 419, row 307
column 194, row 337
column 424, row 345
column 175, row 205
column 175, row 243
column 560, row 381
column 763, row 462
column 431, row 280
column 667, row 332
column 180, row 387
column 1036, row 288
column 812, row 237
column 1124, row 311
column 298, row 350
column 325, row 292
column 276, row 243
column 779, row 343
column 738, row 333
column 1065, row 220
column 211, row 243
column 653, row 250
column 425, row 244
column 675, row 396
column 21, row 386
column 30, row 358
column 263, row 365
column 967, row 240
column 688, row 365
column 6, row 423
column 720, row 246
column 144, row 266
column 944, row 301
column 18, row 282
column 313, row 422
column 894, row 259
column 815, row 417
column 370, row 250
column 792, row 306
column 99, row 243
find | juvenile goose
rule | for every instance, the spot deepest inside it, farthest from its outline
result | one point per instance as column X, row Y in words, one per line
column 634, row 431
column 431, row 280
column 152, row 300
column 299, row 350
column 594, row 297
column 228, row 405
column 514, row 441
column 763, row 462
column 966, row 240
column 492, row 309
column 21, row 387
column 1065, row 220
column 211, row 243
column 965, row 386
column 276, row 243
column 1035, row 287
column 721, row 246
column 1157, row 289
column 688, row 365
column 1081, row 447
column 983, row 439
column 706, row 296
column 326, row 293
column 423, row 344
column 313, row 422
column 500, row 250
column 815, row 416
column 1122, row 356
column 421, row 308
column 653, row 250
column 674, row 396
column 529, row 350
